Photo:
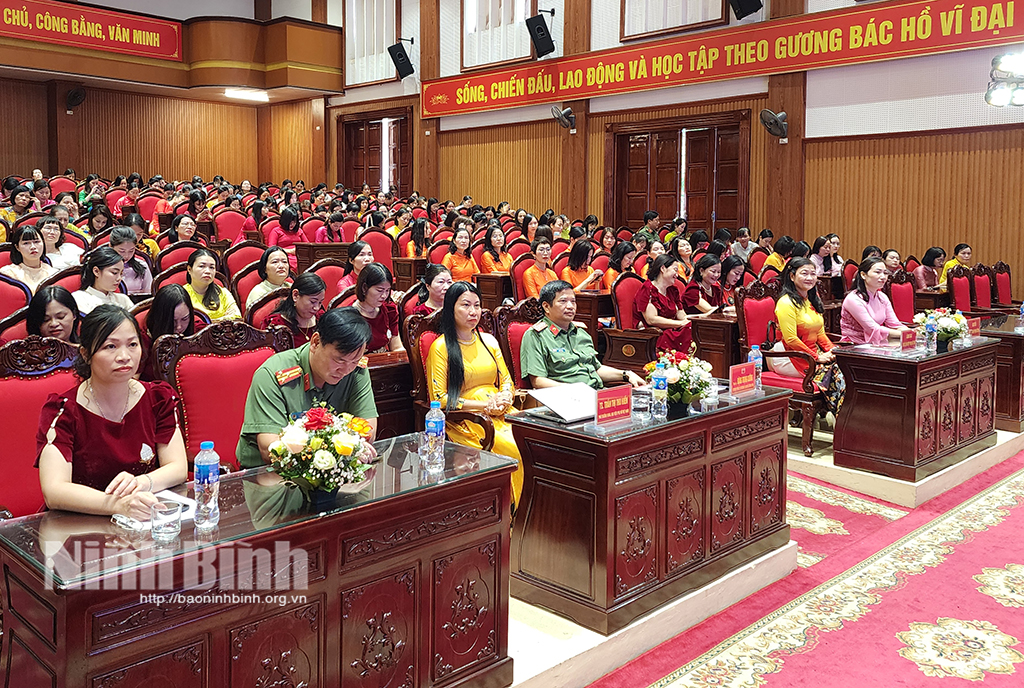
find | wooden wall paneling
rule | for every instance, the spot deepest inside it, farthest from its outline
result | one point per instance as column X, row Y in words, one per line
column 597, row 172
column 913, row 191
column 520, row 163
column 318, row 170
column 576, row 27
column 318, row 11
column 785, row 198
column 290, row 134
column 264, row 144
column 574, row 163
column 262, row 10
column 62, row 132
column 24, row 134
column 425, row 131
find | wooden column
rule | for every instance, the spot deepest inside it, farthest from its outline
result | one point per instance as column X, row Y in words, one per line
column 786, row 93
column 64, row 131
column 318, row 11
column 576, row 38
column 264, row 144
column 262, row 10
column 319, row 141
column 426, row 177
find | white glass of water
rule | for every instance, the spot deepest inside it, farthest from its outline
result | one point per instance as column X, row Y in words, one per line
column 166, row 520
column 642, row 400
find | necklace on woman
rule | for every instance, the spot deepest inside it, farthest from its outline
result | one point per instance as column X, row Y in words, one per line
column 472, row 339
column 99, row 407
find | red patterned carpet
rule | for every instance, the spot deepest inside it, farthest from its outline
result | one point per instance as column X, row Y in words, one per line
column 883, row 597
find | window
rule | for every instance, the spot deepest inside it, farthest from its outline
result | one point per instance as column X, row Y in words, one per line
column 494, row 31
column 642, row 18
column 370, row 27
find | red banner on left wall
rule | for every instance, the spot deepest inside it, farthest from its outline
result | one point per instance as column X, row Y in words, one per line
column 81, row 26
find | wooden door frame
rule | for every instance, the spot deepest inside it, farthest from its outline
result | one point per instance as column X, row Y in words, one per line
column 369, row 116
column 612, row 159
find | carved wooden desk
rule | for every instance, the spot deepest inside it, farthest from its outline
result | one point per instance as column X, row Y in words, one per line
column 592, row 305
column 1009, row 370
column 718, row 341
column 391, row 381
column 407, row 585
column 930, row 299
column 909, row 416
column 611, row 527
column 408, row 271
column 308, row 253
column 494, row 288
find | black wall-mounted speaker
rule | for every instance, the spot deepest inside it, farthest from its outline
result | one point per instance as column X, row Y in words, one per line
column 742, row 8
column 401, row 60
column 540, row 35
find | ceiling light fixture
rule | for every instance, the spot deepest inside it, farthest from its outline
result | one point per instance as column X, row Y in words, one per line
column 1006, row 81
column 253, row 95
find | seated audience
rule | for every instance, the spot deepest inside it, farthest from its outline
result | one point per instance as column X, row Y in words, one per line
column 837, row 260
column 360, row 254
column 682, row 251
column 183, row 228
column 274, row 268
column 137, row 277
column 702, row 293
column 649, row 232
column 326, row 370
column 621, row 261
column 130, row 198
column 107, row 444
column 802, row 327
column 555, row 351
column 783, row 250
column 459, row 260
column 926, row 275
column 495, row 258
column 766, row 239
column 100, row 218
column 431, row 289
column 287, row 234
column 961, row 256
column 606, row 237
column 52, row 312
column 27, row 251
column 20, row 202
column 142, row 241
column 742, row 247
column 578, row 272
column 656, row 249
column 676, row 230
column 162, row 207
column 419, row 240
column 403, row 219
column 718, row 249
column 333, row 231
column 538, row 274
column 801, row 249
column 658, row 303
column 373, row 301
column 821, row 256
column 101, row 281
column 699, row 240
column 299, row 310
column 528, row 225
column 170, row 313
column 42, row 195
column 465, row 371
column 871, row 251
column 733, row 269
column 891, row 258
column 255, row 219
column 868, row 317
column 207, row 296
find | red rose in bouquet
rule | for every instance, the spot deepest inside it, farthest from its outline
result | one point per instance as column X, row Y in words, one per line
column 317, row 418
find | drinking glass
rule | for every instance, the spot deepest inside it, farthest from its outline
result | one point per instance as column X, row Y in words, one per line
column 642, row 400
column 166, row 520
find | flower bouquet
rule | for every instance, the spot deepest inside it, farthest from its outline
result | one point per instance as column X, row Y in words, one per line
column 949, row 324
column 688, row 378
column 319, row 451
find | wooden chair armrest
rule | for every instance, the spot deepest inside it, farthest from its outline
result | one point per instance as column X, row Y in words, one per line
column 808, row 381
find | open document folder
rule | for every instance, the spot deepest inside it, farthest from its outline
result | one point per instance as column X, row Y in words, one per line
column 570, row 403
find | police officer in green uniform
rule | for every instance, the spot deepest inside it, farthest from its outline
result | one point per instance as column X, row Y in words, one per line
column 652, row 222
column 556, row 351
column 329, row 368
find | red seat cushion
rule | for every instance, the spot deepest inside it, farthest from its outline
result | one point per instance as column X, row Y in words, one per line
column 245, row 285
column 625, row 295
column 216, row 417
column 18, row 330
column 383, row 247
column 516, row 331
column 19, row 490
column 773, row 379
column 331, row 275
column 1003, row 287
column 259, row 316
column 309, row 228
column 849, row 272
column 983, row 291
column 518, row 249
column 757, row 313
column 903, row 301
column 229, row 224
column 961, row 294
column 426, row 340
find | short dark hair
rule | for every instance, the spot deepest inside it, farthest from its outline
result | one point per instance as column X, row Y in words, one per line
column 742, row 232
column 160, row 319
column 650, row 215
column 659, row 264
column 36, row 313
column 372, row 275
column 537, row 243
column 343, row 328
column 96, row 327
column 931, row 254
column 550, row 290
column 307, row 284
column 958, row 248
column 26, row 232
column 784, row 246
column 708, row 260
column 261, row 267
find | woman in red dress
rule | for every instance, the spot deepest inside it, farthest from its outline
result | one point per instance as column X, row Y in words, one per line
column 287, row 234
column 373, row 301
column 299, row 310
column 703, row 292
column 658, row 303
column 107, row 444
column 431, row 289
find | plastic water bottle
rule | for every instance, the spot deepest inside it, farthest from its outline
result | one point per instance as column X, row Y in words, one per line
column 207, row 485
column 930, row 328
column 757, row 358
column 432, row 439
column 659, row 392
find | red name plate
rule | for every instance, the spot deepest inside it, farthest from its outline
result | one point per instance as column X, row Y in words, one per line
column 908, row 339
column 974, row 327
column 741, row 379
column 614, row 404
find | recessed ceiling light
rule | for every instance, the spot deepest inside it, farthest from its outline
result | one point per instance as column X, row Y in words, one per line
column 247, row 94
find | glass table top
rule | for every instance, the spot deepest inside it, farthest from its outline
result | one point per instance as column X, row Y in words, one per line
column 918, row 353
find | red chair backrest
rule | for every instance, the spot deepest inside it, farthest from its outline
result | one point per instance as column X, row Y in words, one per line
column 443, row 234
column 959, row 286
column 419, row 212
column 769, row 275
column 141, row 313
column 849, row 272
column 176, row 253
column 351, row 229
column 309, row 227
column 477, row 251
column 28, row 219
column 61, row 184
column 76, row 238
column 639, row 261
column 758, row 314
column 600, row 261
column 438, row 251
column 331, row 271
column 559, row 247
column 33, row 369
column 519, row 267
column 112, row 196
column 623, row 294
column 403, row 239
column 69, row 278
column 1002, row 272
column 560, row 262
column 229, row 224
column 146, row 205
column 14, row 326
column 268, row 225
column 383, row 246
column 624, row 234
column 514, row 234
column 345, row 298
column 5, row 253
column 902, row 298
column 237, row 257
column 912, row 264
column 262, row 309
column 516, row 330
column 518, row 247
column 982, row 291
column 244, row 282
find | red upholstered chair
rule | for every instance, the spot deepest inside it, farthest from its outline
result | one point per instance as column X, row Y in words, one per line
column 517, row 247
column 443, row 234
column 244, row 281
column 101, row 238
column 900, row 290
column 558, row 247
column 266, row 226
column 769, row 275
column 625, row 234
column 417, row 213
column 31, row 369
column 5, row 253
column 983, row 288
column 331, row 270
column 228, row 352
column 13, row 326
column 229, row 224
column 309, row 227
column 480, row 234
column 519, row 266
column 403, row 239
column 560, row 262
column 511, row 323
column 408, row 301
column 850, row 270
column 958, row 285
column 177, row 253
column 438, row 250
column 755, row 314
column 639, row 262
column 76, row 238
column 630, row 344
column 181, row 208
column 351, row 227
column 178, row 274
column 911, row 264
column 345, row 298
column 27, row 219
column 146, row 205
column 112, row 196
column 477, row 251
column 513, row 234
column 69, row 278
column 240, row 255
column 748, row 277
column 141, row 312
column 61, row 184
column 600, row 261
column 418, row 333
column 383, row 245
column 257, row 315
column 1004, row 292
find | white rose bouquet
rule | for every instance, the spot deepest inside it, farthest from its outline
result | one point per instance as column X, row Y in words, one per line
column 321, row 450
column 688, row 378
column 949, row 324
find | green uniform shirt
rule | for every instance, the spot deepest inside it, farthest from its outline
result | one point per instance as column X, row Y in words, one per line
column 560, row 355
column 649, row 234
column 271, row 402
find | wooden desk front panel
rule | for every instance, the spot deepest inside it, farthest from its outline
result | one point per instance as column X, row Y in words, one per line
column 591, row 305
column 607, row 532
column 391, row 380
column 416, row 596
column 408, row 271
column 494, row 288
column 718, row 343
column 908, row 420
column 308, row 253
column 930, row 300
column 1010, row 383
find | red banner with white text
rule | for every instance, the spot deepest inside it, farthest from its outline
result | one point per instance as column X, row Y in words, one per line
column 82, row 26
column 863, row 34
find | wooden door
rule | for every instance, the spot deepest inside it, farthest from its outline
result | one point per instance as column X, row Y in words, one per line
column 727, row 179
column 405, row 157
column 394, row 157
column 637, row 180
column 373, row 143
column 700, row 177
column 665, row 170
column 713, row 179
column 649, row 176
column 354, row 166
